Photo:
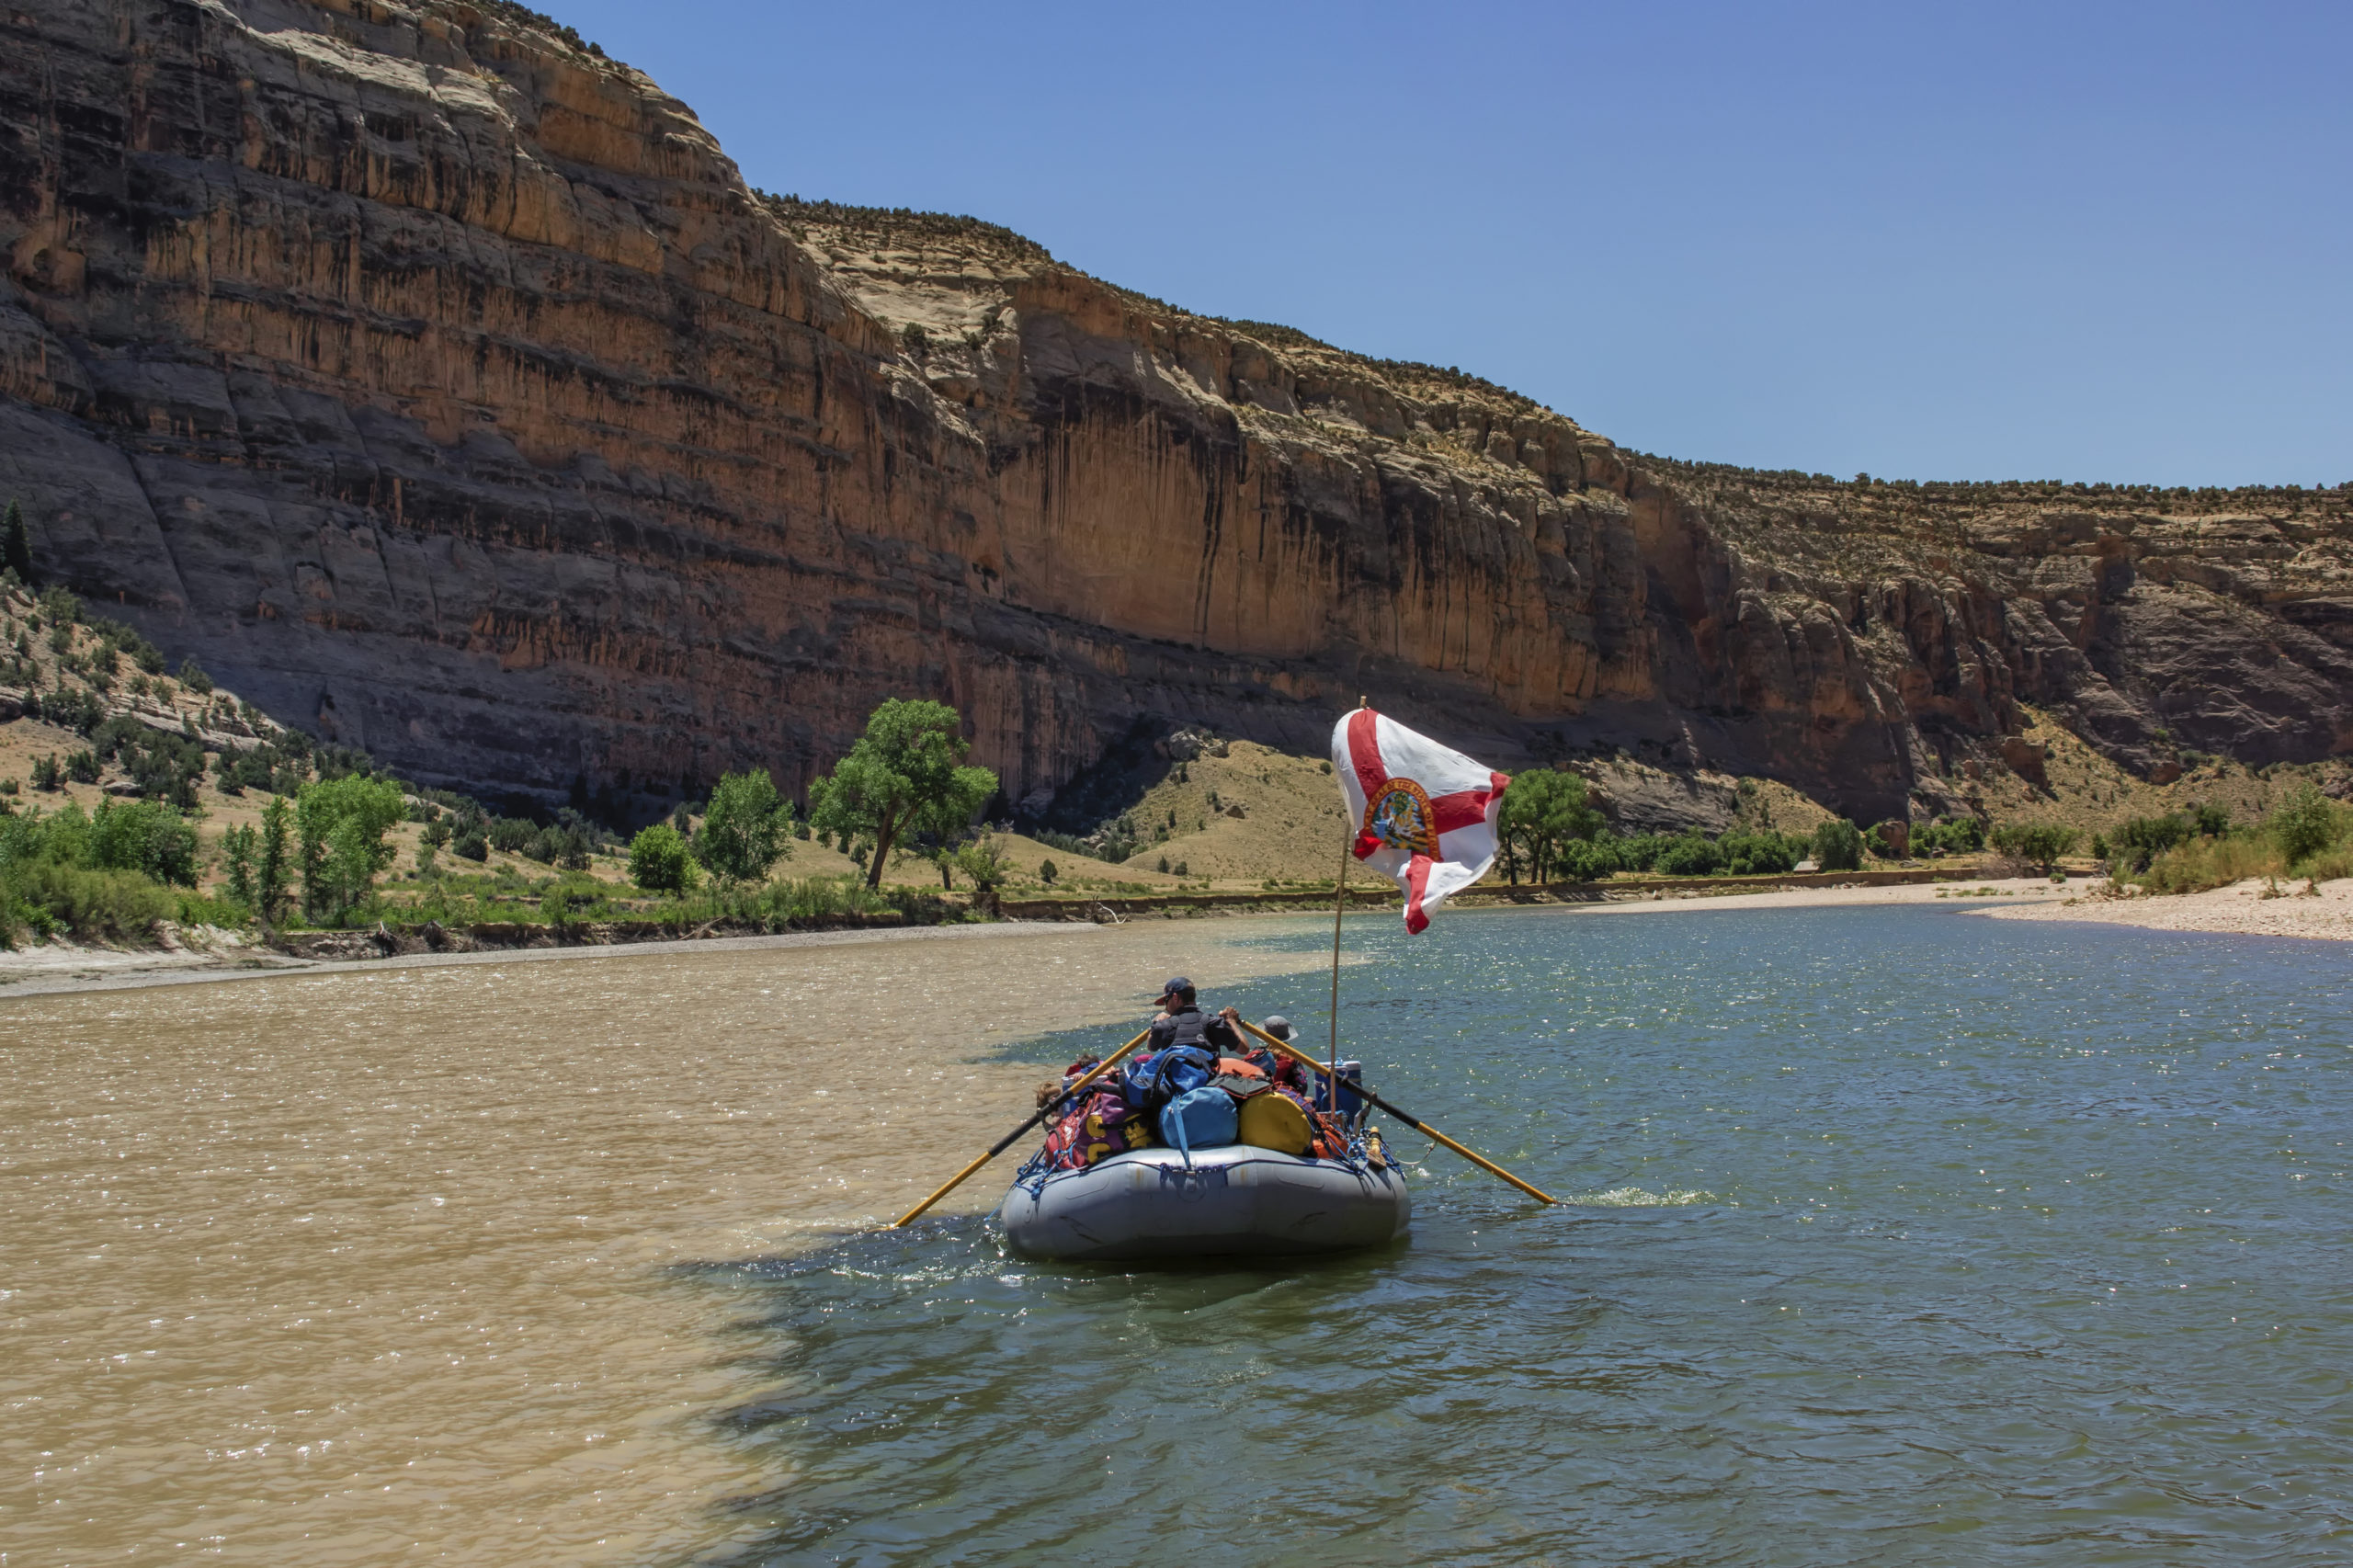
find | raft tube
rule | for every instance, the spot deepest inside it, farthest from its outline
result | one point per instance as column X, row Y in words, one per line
column 1237, row 1201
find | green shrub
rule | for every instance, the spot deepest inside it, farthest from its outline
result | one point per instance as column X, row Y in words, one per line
column 1763, row 853
column 982, row 860
column 1046, row 874
column 1588, row 860
column 140, row 835
column 1837, row 846
column 2304, row 823
column 1690, row 855
column 81, row 767
column 2039, row 844
column 192, row 676
column 2329, row 864
column 98, row 876
column 74, row 710
column 747, row 829
column 2203, row 863
column 47, row 774
column 1949, row 835
column 90, row 903
column 2142, row 839
column 659, row 860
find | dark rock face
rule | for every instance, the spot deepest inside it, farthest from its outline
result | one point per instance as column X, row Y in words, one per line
column 443, row 387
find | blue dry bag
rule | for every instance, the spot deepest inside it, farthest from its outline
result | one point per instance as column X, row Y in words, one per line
column 1200, row 1119
column 1157, row 1079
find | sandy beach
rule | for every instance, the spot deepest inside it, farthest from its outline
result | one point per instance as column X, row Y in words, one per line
column 2246, row 909
column 1994, row 892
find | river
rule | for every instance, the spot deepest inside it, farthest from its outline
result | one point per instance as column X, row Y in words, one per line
column 1893, row 1236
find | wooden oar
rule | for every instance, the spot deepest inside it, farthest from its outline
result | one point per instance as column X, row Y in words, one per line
column 1002, row 1144
column 1421, row 1127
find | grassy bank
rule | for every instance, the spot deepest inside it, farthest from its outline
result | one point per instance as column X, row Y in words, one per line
column 2306, row 837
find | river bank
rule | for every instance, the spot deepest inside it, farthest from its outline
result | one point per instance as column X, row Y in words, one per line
column 58, row 967
column 206, row 954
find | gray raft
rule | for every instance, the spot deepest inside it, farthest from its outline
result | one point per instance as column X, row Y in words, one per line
column 1234, row 1201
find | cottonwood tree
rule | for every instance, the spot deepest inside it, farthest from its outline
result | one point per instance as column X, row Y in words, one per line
column 270, row 867
column 1543, row 813
column 341, row 824
column 905, row 775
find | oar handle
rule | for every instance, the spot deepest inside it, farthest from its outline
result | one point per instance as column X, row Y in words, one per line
column 1419, row 1125
column 1002, row 1144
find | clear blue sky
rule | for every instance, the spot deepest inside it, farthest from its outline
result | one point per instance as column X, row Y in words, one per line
column 1953, row 242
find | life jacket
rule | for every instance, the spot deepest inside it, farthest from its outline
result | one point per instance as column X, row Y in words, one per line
column 1190, row 1026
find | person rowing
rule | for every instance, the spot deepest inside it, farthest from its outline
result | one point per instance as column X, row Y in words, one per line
column 1182, row 1022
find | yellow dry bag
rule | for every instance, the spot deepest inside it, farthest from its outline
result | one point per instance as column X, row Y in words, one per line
column 1274, row 1121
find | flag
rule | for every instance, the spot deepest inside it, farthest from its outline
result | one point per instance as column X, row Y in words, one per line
column 1424, row 814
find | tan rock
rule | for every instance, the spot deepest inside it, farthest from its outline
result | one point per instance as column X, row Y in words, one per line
column 445, row 389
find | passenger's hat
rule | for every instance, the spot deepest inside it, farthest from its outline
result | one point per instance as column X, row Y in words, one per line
column 1177, row 986
column 1278, row 1026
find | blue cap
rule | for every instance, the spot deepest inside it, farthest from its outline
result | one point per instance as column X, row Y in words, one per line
column 1177, row 986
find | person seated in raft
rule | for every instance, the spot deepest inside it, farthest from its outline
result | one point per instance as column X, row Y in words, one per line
column 1273, row 1063
column 1051, row 1089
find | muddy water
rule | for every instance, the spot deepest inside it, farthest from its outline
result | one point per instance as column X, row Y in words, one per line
column 327, row 1268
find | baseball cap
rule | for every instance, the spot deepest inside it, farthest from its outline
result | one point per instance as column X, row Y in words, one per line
column 1177, row 985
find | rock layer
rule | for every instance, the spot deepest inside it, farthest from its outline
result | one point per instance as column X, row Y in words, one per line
column 441, row 384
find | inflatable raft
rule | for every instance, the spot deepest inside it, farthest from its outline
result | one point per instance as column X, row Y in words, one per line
column 1235, row 1200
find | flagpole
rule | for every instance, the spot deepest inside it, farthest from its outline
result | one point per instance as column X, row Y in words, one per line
column 1339, row 904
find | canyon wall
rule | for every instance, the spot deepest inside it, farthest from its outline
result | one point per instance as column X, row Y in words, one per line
column 440, row 385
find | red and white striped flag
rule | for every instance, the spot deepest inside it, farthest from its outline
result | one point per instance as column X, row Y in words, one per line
column 1424, row 815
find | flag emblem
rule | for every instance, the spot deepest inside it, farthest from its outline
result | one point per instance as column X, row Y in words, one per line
column 1399, row 817
column 1424, row 814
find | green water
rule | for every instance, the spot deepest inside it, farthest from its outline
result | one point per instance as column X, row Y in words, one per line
column 1894, row 1237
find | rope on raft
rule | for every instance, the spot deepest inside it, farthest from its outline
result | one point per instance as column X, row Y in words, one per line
column 1356, row 1157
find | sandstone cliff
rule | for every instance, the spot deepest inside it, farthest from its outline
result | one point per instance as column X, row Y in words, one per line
column 441, row 384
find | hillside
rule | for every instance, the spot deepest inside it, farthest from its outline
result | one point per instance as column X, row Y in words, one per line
column 441, row 384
